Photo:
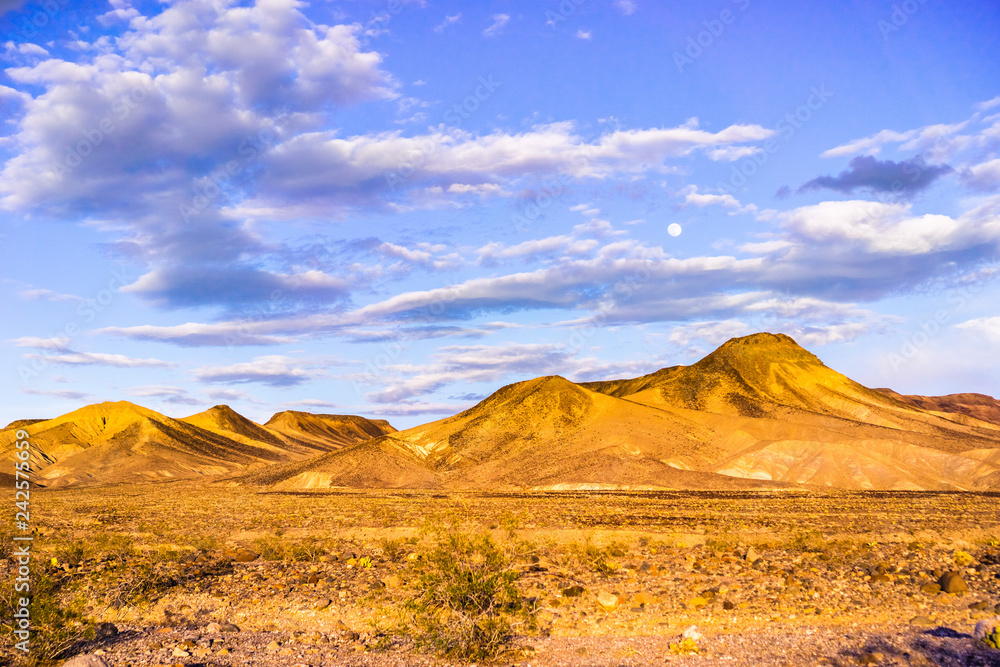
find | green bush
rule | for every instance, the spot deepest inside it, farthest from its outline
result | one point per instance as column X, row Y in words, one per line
column 466, row 604
column 58, row 622
column 993, row 639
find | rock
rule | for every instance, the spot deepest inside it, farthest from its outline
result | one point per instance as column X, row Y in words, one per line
column 880, row 578
column 245, row 556
column 982, row 605
column 952, row 583
column 313, row 579
column 322, row 604
column 751, row 555
column 392, row 581
column 180, row 653
column 728, row 605
column 105, row 631
column 870, row 658
column 922, row 621
column 88, row 660
column 985, row 627
column 273, row 646
column 608, row 601
column 931, row 589
column 691, row 633
column 573, row 591
column 697, row 602
column 642, row 599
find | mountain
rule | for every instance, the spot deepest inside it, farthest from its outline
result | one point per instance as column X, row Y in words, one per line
column 980, row 406
column 324, row 430
column 759, row 411
column 123, row 442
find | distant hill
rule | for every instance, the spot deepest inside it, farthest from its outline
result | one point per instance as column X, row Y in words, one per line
column 121, row 442
column 758, row 412
column 979, row 406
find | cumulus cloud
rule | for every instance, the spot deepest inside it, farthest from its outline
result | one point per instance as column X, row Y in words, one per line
column 904, row 178
column 987, row 328
column 272, row 370
column 984, row 176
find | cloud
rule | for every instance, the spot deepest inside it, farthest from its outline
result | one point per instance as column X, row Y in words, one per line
column 891, row 229
column 583, row 34
column 448, row 20
column 61, row 393
column 415, row 408
column 61, row 344
column 499, row 21
column 42, row 294
column 905, row 178
column 700, row 200
column 984, row 176
column 194, row 334
column 626, row 7
column 987, row 328
column 154, row 135
column 167, row 394
column 71, row 358
column 472, row 363
column 712, row 333
column 9, row 5
column 273, row 371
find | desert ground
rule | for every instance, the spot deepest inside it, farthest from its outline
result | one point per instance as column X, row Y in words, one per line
column 193, row 574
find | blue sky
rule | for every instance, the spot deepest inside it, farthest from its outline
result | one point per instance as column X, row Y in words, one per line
column 393, row 208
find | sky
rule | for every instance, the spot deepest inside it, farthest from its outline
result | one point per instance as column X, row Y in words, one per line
column 394, row 207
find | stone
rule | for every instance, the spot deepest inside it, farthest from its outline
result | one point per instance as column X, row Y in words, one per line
column 642, row 599
column 273, row 646
column 245, row 556
column 608, row 601
column 88, row 660
column 691, row 633
column 105, row 631
column 322, row 604
column 392, row 581
column 931, row 589
column 985, row 627
column 982, row 605
column 751, row 555
column 697, row 602
column 573, row 591
column 922, row 621
column 180, row 653
column 870, row 658
column 952, row 583
column 728, row 605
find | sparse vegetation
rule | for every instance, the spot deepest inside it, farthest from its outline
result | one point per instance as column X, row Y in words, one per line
column 466, row 604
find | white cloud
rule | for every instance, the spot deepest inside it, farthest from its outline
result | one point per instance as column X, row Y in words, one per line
column 583, row 34
column 499, row 21
column 448, row 20
column 891, row 228
column 271, row 370
column 700, row 199
column 984, row 176
column 982, row 327
column 70, row 358
column 626, row 7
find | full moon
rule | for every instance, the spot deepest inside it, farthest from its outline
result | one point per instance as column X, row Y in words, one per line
column 674, row 229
